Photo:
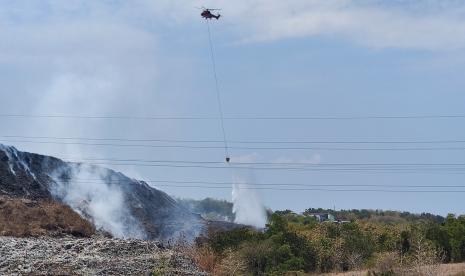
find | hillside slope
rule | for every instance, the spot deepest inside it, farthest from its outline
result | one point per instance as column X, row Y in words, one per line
column 112, row 201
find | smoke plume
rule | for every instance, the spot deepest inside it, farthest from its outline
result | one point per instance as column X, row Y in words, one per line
column 91, row 192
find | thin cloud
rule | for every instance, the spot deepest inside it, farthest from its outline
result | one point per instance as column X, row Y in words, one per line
column 427, row 25
column 375, row 25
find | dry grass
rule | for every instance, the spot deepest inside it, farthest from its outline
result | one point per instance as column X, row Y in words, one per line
column 452, row 269
column 204, row 257
column 444, row 270
column 229, row 264
column 23, row 218
column 347, row 273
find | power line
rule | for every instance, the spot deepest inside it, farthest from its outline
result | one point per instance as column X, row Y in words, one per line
column 392, row 170
column 250, row 186
column 103, row 117
column 112, row 144
column 325, row 190
column 115, row 117
column 115, row 139
column 451, row 141
column 266, row 163
column 348, row 117
column 246, row 187
column 99, row 181
column 241, row 147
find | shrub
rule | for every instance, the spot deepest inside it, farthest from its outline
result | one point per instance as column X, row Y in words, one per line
column 232, row 264
column 224, row 240
column 425, row 258
column 386, row 264
column 204, row 257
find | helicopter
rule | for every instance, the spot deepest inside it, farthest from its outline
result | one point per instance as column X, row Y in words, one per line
column 207, row 14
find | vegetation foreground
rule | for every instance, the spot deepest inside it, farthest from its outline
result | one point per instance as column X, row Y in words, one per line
column 373, row 242
column 362, row 242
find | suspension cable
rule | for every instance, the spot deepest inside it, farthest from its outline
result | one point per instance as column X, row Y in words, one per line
column 218, row 94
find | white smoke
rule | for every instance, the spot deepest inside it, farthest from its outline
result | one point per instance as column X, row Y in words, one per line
column 247, row 205
column 86, row 189
column 88, row 66
column 92, row 193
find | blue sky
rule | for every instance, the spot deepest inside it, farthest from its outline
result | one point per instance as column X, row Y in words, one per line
column 274, row 58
